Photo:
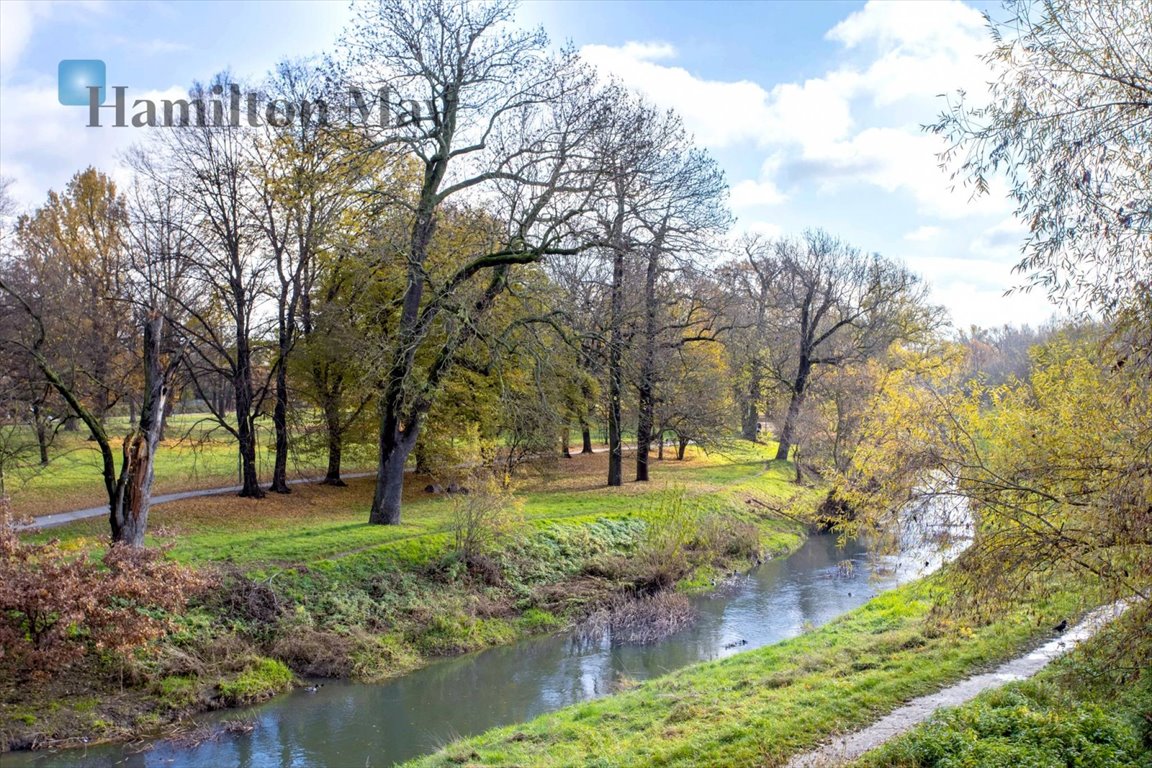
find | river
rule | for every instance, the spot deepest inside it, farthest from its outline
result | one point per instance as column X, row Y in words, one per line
column 350, row 724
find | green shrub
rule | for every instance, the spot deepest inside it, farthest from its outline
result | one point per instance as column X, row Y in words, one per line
column 178, row 692
column 1026, row 725
column 267, row 678
column 537, row 620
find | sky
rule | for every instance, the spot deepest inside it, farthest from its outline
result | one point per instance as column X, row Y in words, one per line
column 813, row 109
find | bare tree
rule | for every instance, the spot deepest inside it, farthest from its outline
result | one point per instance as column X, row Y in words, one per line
column 305, row 176
column 127, row 278
column 750, row 281
column 1067, row 123
column 832, row 305
column 222, row 319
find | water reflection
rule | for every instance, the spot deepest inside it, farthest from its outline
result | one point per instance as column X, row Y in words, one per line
column 344, row 724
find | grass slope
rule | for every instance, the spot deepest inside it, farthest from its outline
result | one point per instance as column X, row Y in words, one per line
column 1090, row 709
column 304, row 580
column 759, row 708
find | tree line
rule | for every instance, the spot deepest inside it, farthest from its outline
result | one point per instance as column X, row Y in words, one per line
column 538, row 252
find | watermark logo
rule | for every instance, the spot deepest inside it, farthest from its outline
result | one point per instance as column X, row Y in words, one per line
column 77, row 77
column 83, row 83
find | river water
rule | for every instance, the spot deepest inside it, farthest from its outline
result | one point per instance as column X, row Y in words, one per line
column 349, row 724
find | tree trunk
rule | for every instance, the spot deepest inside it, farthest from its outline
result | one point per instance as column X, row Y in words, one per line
column 681, row 447
column 169, row 407
column 246, row 442
column 280, row 423
column 799, row 391
column 394, row 449
column 647, row 366
column 245, row 403
column 41, row 426
column 564, row 443
column 399, row 429
column 586, row 436
column 616, row 373
column 133, row 496
column 335, row 443
column 751, row 416
column 660, row 446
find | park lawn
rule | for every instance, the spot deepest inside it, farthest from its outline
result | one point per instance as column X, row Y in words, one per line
column 759, row 708
column 304, row 580
column 195, row 453
column 317, row 522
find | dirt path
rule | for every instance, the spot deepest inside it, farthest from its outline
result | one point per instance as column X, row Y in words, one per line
column 60, row 518
column 846, row 748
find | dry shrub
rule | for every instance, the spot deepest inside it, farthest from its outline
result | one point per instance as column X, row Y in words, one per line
column 315, row 653
column 728, row 536
column 56, row 606
column 642, row 620
column 482, row 520
column 229, row 653
column 240, row 597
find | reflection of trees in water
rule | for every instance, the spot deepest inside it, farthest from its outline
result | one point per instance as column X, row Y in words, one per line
column 420, row 711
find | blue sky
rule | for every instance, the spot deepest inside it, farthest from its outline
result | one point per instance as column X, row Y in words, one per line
column 812, row 108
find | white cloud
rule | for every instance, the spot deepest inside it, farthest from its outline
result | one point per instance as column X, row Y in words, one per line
column 17, row 20
column 903, row 56
column 923, row 234
column 755, row 194
column 1002, row 241
column 44, row 143
column 718, row 113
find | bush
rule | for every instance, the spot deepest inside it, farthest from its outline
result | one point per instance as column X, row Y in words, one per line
column 1028, row 724
column 56, row 606
column 263, row 681
column 481, row 521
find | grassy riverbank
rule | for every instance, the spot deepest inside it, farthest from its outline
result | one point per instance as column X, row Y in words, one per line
column 1090, row 709
column 302, row 584
column 761, row 707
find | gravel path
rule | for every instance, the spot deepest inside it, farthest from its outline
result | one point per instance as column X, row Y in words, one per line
column 60, row 518
column 846, row 748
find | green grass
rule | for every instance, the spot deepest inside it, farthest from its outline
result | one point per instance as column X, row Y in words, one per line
column 1089, row 709
column 318, row 522
column 195, row 454
column 305, row 581
column 265, row 679
column 760, row 707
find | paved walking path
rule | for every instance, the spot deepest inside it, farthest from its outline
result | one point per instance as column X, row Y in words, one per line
column 60, row 518
column 846, row 748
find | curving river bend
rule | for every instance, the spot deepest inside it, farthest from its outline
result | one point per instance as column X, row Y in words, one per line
column 349, row 724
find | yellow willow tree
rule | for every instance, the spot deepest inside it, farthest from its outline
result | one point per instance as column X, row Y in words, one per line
column 1056, row 469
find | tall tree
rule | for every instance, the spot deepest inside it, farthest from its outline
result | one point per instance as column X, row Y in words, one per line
column 681, row 208
column 833, row 305
column 101, row 269
column 307, row 173
column 209, row 167
column 501, row 127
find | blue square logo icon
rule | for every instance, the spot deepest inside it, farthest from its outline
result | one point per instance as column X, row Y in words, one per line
column 76, row 76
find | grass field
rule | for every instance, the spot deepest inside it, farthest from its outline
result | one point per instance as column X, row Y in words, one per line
column 303, row 580
column 318, row 522
column 759, row 708
column 196, row 453
column 1089, row 709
